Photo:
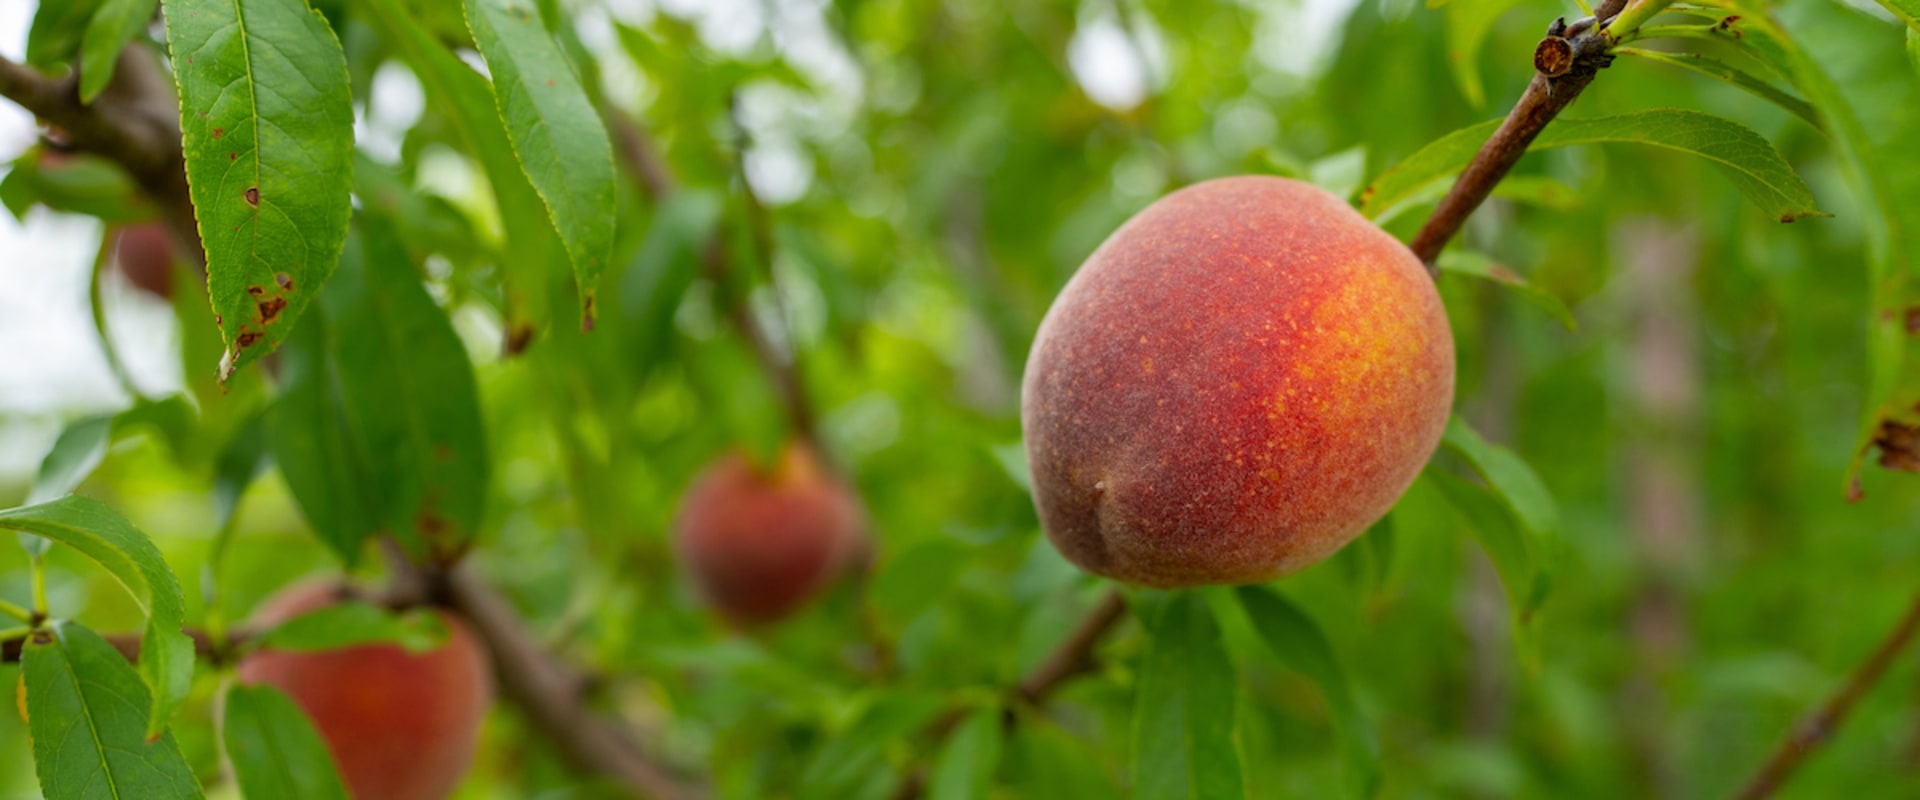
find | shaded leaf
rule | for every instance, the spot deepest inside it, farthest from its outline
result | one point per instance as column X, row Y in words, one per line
column 267, row 121
column 1184, row 745
column 453, row 89
column 557, row 134
column 275, row 750
column 101, row 534
column 114, row 24
column 355, row 624
column 81, row 446
column 657, row 278
column 855, row 753
column 967, row 764
column 1297, row 641
column 378, row 424
column 1467, row 262
column 1468, row 23
column 89, row 715
column 1493, row 527
column 309, row 437
column 1521, row 491
column 915, row 579
column 1739, row 78
column 54, row 38
column 238, row 464
column 1753, row 165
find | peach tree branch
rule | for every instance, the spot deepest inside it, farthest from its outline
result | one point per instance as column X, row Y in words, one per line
column 1565, row 63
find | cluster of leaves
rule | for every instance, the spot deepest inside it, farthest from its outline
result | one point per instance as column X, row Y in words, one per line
column 529, row 362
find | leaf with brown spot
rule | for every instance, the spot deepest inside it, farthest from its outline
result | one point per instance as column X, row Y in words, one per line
column 264, row 78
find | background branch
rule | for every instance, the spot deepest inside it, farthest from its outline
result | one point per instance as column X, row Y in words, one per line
column 1818, row 727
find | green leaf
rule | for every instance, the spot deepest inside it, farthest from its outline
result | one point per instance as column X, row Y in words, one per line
column 1913, row 48
column 101, row 534
column 1743, row 156
column 58, row 26
column 267, row 120
column 657, row 279
column 1907, row 11
column 853, row 754
column 309, row 438
column 1468, row 23
column 114, row 24
column 966, row 765
column 383, row 406
column 1184, row 741
column 238, row 464
column 93, row 735
column 1012, row 458
column 1297, row 641
column 1467, row 262
column 1046, row 761
column 73, row 182
column 275, row 750
column 915, row 579
column 1521, row 491
column 558, row 136
column 455, row 90
column 81, row 447
column 1493, row 527
column 1739, row 78
column 355, row 624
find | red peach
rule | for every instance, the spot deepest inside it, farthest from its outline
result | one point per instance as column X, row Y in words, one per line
column 1238, row 382
column 760, row 544
column 400, row 725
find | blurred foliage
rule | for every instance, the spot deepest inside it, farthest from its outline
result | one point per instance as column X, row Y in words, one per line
column 934, row 172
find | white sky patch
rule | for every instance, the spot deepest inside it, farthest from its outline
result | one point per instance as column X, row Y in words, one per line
column 731, row 27
column 1107, row 64
column 1300, row 40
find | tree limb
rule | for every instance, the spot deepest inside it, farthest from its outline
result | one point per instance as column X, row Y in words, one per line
column 1818, row 727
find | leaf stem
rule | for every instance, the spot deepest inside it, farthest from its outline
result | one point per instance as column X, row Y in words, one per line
column 16, row 612
column 1818, row 727
column 14, row 634
column 38, row 571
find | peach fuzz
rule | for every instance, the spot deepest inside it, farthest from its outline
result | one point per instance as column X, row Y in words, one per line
column 1237, row 383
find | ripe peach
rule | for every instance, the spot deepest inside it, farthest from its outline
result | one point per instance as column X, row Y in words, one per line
column 401, row 726
column 145, row 254
column 759, row 544
column 1239, row 381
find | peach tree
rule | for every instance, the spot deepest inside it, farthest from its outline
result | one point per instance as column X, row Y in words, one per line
column 964, row 399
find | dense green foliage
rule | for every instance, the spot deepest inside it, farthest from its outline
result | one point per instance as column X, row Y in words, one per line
column 1655, row 536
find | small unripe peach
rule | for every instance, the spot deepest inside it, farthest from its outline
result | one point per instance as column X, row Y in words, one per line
column 1238, row 382
column 760, row 544
column 144, row 252
column 400, row 725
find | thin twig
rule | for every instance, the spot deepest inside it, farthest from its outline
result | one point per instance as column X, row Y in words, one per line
column 1818, row 727
column 1575, row 62
column 1072, row 658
